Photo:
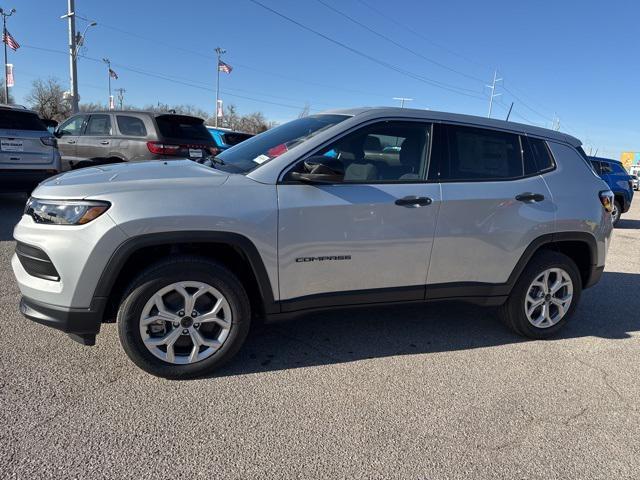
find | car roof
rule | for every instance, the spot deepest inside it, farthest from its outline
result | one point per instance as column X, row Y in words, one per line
column 21, row 108
column 459, row 118
column 136, row 112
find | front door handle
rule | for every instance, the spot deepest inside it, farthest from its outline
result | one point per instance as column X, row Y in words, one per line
column 413, row 201
column 529, row 197
column 71, row 142
column 104, row 142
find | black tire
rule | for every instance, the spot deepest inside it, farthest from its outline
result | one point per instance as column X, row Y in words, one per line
column 164, row 273
column 513, row 314
column 615, row 216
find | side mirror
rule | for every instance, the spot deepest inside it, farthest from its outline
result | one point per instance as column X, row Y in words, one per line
column 58, row 133
column 320, row 169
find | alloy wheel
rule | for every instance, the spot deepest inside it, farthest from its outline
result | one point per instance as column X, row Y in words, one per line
column 548, row 298
column 185, row 322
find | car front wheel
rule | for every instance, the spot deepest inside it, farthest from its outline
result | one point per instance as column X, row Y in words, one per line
column 183, row 318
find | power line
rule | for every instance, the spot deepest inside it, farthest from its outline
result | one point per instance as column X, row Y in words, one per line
column 387, row 65
column 398, row 44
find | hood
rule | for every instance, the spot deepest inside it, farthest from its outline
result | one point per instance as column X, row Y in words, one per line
column 120, row 177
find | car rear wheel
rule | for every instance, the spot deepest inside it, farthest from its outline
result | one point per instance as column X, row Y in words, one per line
column 183, row 318
column 544, row 297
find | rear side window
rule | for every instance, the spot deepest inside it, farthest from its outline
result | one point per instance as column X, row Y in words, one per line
column 17, row 120
column 481, row 154
column 98, row 125
column 541, row 154
column 182, row 127
column 596, row 166
column 618, row 169
column 234, row 138
column 131, row 126
column 606, row 167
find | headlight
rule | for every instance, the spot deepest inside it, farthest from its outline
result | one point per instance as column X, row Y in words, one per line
column 63, row 212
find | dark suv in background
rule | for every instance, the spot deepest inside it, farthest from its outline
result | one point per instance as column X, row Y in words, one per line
column 127, row 136
column 619, row 181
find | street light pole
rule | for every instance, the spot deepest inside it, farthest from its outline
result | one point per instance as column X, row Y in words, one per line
column 73, row 69
column 219, row 51
column 4, row 39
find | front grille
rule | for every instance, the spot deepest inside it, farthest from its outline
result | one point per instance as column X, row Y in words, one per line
column 36, row 262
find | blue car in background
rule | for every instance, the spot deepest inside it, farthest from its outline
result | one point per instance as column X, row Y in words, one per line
column 226, row 138
column 619, row 181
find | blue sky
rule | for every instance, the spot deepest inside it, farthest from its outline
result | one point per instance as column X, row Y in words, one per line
column 576, row 59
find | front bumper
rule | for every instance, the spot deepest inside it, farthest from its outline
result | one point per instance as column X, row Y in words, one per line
column 82, row 324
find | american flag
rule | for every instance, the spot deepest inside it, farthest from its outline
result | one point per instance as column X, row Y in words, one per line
column 113, row 74
column 224, row 67
column 9, row 40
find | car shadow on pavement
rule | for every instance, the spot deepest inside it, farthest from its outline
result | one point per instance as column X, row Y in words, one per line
column 608, row 310
column 628, row 224
column 11, row 207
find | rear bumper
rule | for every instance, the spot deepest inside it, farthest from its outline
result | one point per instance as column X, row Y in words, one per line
column 82, row 324
column 22, row 180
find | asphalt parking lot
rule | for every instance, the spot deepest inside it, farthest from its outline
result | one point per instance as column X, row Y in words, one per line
column 430, row 392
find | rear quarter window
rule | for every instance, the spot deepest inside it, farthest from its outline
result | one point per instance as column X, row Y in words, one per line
column 542, row 154
column 131, row 126
column 17, row 120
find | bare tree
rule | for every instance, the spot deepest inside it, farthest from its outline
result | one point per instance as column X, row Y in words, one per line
column 182, row 109
column 251, row 123
column 47, row 98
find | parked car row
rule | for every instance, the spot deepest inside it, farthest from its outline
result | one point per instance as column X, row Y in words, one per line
column 33, row 149
column 619, row 181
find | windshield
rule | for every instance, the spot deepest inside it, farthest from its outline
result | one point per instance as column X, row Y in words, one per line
column 262, row 148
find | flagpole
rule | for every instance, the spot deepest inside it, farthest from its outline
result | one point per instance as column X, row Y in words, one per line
column 219, row 51
column 4, row 40
column 108, row 62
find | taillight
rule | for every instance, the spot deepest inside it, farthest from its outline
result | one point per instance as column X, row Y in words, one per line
column 607, row 199
column 49, row 141
column 162, row 148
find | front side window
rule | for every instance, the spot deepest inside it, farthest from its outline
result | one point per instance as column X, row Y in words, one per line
column 131, row 126
column 382, row 152
column 98, row 125
column 73, row 126
column 263, row 148
column 481, row 154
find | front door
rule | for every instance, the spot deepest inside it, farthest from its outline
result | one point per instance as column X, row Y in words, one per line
column 494, row 204
column 367, row 239
column 68, row 134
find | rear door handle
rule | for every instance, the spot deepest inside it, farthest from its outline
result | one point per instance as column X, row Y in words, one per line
column 413, row 202
column 529, row 197
column 104, row 142
column 71, row 142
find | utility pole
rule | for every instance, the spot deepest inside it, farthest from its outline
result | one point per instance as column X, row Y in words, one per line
column 121, row 92
column 73, row 50
column 219, row 52
column 556, row 122
column 108, row 62
column 402, row 100
column 493, row 95
column 4, row 38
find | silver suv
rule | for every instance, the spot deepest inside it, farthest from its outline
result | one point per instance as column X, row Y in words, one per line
column 28, row 152
column 351, row 207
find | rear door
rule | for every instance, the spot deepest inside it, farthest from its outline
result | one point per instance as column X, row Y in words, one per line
column 95, row 141
column 494, row 204
column 20, row 139
column 68, row 134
